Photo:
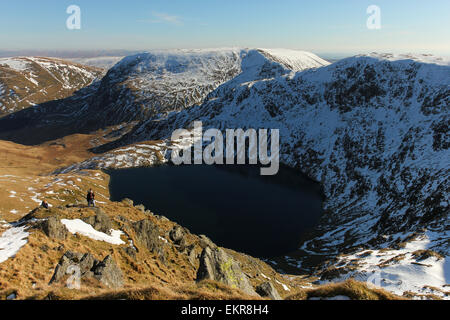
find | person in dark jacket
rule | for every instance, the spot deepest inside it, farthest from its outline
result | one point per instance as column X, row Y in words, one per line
column 90, row 198
column 44, row 204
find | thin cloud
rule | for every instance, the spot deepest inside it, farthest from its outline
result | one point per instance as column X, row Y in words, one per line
column 160, row 17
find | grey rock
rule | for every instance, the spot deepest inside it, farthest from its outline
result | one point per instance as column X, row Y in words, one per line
column 147, row 233
column 84, row 261
column 105, row 271
column 205, row 242
column 108, row 273
column 101, row 221
column 267, row 290
column 192, row 256
column 177, row 234
column 216, row 264
column 53, row 228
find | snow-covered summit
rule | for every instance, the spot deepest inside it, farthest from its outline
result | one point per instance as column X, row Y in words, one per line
column 295, row 60
column 424, row 58
column 152, row 84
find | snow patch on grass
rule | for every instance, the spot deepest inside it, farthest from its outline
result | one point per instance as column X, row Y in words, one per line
column 11, row 241
column 85, row 229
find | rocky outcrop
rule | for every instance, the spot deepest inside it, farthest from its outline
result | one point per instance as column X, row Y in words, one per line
column 53, row 228
column 147, row 233
column 140, row 207
column 267, row 290
column 216, row 264
column 101, row 221
column 205, row 242
column 86, row 266
column 108, row 273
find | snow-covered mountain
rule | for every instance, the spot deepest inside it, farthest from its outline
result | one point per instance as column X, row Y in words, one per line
column 28, row 81
column 373, row 129
column 151, row 85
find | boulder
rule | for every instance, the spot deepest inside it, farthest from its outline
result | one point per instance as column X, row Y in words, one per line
column 106, row 271
column 205, row 242
column 216, row 264
column 267, row 290
column 147, row 233
column 85, row 262
column 192, row 255
column 101, row 221
column 177, row 235
column 53, row 228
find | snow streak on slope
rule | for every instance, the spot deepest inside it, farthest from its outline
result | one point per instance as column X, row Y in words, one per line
column 11, row 241
column 294, row 60
column 27, row 81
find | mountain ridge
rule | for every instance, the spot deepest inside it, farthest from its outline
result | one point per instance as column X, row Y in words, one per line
column 29, row 81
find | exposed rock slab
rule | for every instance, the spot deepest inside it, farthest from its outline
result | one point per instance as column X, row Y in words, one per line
column 106, row 271
column 216, row 264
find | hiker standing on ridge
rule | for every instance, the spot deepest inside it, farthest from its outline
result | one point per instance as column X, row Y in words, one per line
column 90, row 198
column 44, row 204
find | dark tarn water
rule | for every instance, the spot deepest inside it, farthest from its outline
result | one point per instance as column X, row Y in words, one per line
column 233, row 205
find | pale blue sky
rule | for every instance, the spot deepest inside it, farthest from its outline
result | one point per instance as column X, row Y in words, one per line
column 321, row 26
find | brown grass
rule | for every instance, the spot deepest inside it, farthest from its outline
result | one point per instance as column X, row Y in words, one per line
column 420, row 255
column 353, row 289
column 205, row 290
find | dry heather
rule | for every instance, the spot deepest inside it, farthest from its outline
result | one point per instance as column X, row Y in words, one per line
column 353, row 289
